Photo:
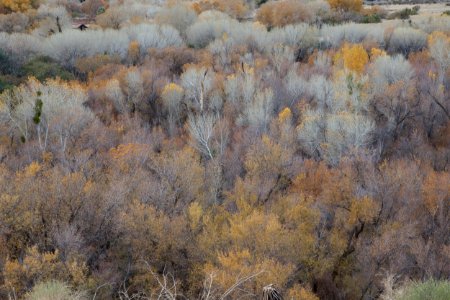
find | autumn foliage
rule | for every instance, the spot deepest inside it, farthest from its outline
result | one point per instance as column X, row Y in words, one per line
column 346, row 5
column 276, row 13
column 353, row 57
column 16, row 5
column 218, row 150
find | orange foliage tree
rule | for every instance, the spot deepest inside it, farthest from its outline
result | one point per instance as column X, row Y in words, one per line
column 346, row 5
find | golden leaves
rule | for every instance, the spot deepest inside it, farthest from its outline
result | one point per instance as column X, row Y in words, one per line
column 235, row 265
column 346, row 5
column 134, row 51
column 172, row 87
column 195, row 213
column 41, row 266
column 16, row 5
column 285, row 115
column 352, row 57
column 89, row 65
column 438, row 36
column 375, row 53
column 298, row 292
column 279, row 14
column 362, row 210
column 124, row 150
column 129, row 155
column 88, row 187
column 267, row 156
column 32, row 169
column 234, row 8
column 436, row 191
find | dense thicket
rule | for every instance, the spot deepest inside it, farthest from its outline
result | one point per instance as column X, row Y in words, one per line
column 207, row 150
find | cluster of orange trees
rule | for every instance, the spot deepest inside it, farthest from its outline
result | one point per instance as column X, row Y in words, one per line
column 207, row 157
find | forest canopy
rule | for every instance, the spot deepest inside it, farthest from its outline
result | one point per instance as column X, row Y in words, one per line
column 220, row 149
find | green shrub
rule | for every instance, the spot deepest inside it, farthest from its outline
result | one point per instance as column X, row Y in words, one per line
column 44, row 67
column 100, row 10
column 4, row 85
column 405, row 13
column 428, row 290
column 9, row 81
column 373, row 18
column 53, row 290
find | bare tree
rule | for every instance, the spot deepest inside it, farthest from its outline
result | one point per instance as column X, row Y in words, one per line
column 54, row 112
column 197, row 83
column 271, row 293
column 258, row 113
column 201, row 128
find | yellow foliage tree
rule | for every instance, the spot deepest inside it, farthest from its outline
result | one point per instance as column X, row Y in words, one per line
column 239, row 271
column 375, row 53
column 91, row 64
column 256, row 246
column 172, row 88
column 134, row 52
column 282, row 13
column 195, row 212
column 32, row 169
column 300, row 293
column 39, row 266
column 267, row 161
column 352, row 57
column 346, row 5
column 158, row 242
column 16, row 5
column 438, row 37
column 334, row 188
column 285, row 115
column 129, row 156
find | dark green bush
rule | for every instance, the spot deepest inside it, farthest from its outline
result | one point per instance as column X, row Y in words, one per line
column 43, row 67
column 8, row 81
column 4, row 84
column 373, row 18
column 405, row 13
column 6, row 65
